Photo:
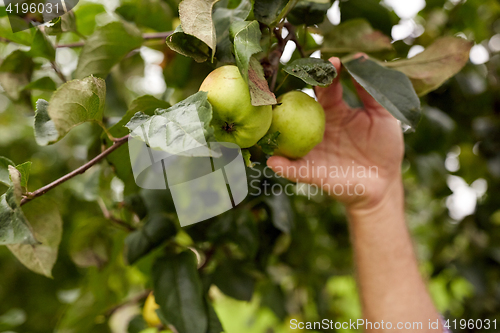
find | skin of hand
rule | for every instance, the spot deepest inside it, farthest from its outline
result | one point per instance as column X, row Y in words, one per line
column 391, row 287
column 354, row 138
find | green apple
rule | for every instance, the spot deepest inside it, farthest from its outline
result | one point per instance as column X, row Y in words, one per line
column 235, row 119
column 301, row 123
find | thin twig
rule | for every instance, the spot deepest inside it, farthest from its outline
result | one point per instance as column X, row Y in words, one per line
column 293, row 33
column 147, row 36
column 107, row 214
column 107, row 132
column 157, row 35
column 41, row 191
column 76, row 44
column 276, row 54
column 58, row 71
column 282, row 82
column 133, row 300
column 208, row 255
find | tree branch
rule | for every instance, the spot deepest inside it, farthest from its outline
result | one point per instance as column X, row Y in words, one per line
column 136, row 299
column 293, row 32
column 58, row 71
column 41, row 191
column 109, row 216
column 276, row 54
column 147, row 36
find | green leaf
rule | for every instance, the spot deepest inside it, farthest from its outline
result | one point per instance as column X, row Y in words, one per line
column 392, row 89
column 65, row 23
column 157, row 230
column 15, row 73
column 309, row 12
column 355, row 36
column 188, row 46
column 214, row 324
column 14, row 227
column 196, row 20
column 21, row 37
column 46, row 221
column 239, row 227
column 246, row 36
column 80, row 316
column 247, row 157
column 106, row 47
column 269, row 143
column 42, row 47
column 146, row 104
column 273, row 298
column 260, row 93
column 4, row 171
column 76, row 102
column 440, row 61
column 150, row 330
column 132, row 65
column 90, row 243
column 16, row 179
column 137, row 325
column 154, row 14
column 178, row 292
column 281, row 211
column 267, row 11
column 45, row 83
column 45, row 129
column 370, row 10
column 223, row 17
column 232, row 279
column 24, row 171
column 85, row 15
column 179, row 129
column 316, row 72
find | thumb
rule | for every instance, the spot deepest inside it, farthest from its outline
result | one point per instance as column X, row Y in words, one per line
column 331, row 96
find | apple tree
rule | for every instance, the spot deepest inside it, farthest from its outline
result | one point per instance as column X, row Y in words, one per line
column 71, row 211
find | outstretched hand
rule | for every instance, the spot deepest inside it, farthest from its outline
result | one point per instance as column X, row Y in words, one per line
column 361, row 153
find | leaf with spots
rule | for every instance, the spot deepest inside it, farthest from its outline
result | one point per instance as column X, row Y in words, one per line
column 316, row 72
column 259, row 89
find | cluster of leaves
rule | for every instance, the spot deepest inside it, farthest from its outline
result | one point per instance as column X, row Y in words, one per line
column 288, row 254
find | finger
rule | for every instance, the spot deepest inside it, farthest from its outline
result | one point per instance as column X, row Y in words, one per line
column 289, row 169
column 331, row 96
column 368, row 101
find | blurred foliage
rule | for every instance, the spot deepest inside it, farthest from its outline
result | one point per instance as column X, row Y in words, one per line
column 275, row 257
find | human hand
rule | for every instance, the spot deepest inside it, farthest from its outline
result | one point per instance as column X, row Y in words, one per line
column 360, row 157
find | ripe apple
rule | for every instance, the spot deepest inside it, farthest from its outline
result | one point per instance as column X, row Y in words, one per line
column 235, row 119
column 149, row 312
column 301, row 123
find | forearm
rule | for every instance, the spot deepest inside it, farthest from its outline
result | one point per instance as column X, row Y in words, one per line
column 391, row 286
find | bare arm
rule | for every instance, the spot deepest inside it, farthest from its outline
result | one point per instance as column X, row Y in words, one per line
column 370, row 139
column 391, row 287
